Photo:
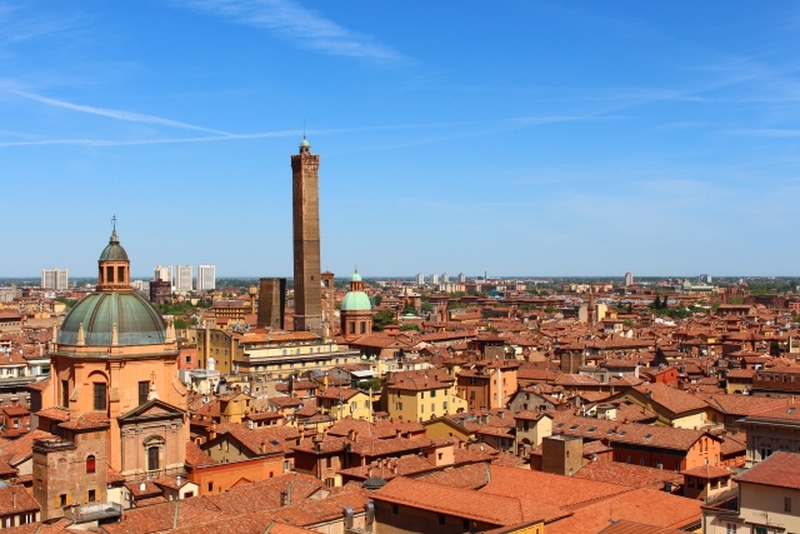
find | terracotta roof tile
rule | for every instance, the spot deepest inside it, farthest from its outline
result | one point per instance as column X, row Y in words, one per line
column 472, row 476
column 781, row 469
column 628, row 474
column 493, row 509
column 553, row 489
column 14, row 499
column 644, row 505
column 87, row 421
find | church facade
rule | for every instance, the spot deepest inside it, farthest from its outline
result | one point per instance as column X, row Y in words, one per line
column 114, row 398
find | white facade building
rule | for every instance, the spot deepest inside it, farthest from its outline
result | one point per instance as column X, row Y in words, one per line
column 206, row 277
column 183, row 278
column 163, row 273
column 57, row 279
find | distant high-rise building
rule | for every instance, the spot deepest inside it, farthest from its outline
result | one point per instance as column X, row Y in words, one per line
column 434, row 279
column 183, row 278
column 628, row 279
column 462, row 278
column 305, row 215
column 163, row 273
column 57, row 279
column 206, row 277
column 445, row 278
column 420, row 279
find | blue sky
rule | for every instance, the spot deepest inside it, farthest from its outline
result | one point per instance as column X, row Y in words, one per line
column 518, row 138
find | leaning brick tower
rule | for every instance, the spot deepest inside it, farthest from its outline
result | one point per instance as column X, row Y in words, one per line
column 305, row 203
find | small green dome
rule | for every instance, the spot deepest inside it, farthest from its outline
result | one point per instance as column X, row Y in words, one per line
column 356, row 277
column 114, row 251
column 356, row 301
column 305, row 143
column 138, row 322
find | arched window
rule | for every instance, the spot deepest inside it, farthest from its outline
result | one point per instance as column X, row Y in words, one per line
column 152, row 458
column 154, row 450
column 90, row 464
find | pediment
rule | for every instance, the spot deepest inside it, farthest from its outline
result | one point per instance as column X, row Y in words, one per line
column 154, row 409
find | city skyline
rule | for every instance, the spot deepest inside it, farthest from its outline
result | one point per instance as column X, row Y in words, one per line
column 579, row 140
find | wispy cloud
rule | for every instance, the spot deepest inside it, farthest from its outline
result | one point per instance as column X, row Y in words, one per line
column 480, row 128
column 304, row 27
column 115, row 114
column 767, row 132
column 134, row 142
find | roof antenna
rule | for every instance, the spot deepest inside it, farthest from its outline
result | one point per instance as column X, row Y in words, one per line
column 114, row 222
column 304, row 127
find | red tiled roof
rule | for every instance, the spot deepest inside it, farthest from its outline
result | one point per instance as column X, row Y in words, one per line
column 624, row 526
column 628, row 474
column 708, row 471
column 493, row 509
column 643, row 505
column 423, row 380
column 162, row 517
column 556, row 490
column 676, row 401
column 781, row 469
column 87, row 421
column 56, row 414
column 195, row 456
column 472, row 476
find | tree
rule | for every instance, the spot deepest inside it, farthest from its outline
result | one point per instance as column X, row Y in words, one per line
column 657, row 303
column 377, row 299
column 373, row 383
column 381, row 319
column 410, row 326
column 409, row 309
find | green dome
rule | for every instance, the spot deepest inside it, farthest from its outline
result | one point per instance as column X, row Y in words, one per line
column 114, row 251
column 356, row 301
column 138, row 322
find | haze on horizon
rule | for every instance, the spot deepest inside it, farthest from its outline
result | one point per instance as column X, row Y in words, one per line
column 568, row 140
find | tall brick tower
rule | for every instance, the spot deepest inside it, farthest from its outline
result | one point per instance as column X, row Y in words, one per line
column 305, row 203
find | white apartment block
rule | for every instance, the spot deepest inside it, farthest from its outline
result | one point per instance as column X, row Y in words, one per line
column 206, row 277
column 57, row 279
column 183, row 278
column 163, row 273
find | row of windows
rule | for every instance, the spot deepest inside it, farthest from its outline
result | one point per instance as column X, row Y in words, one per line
column 643, row 461
column 362, row 327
